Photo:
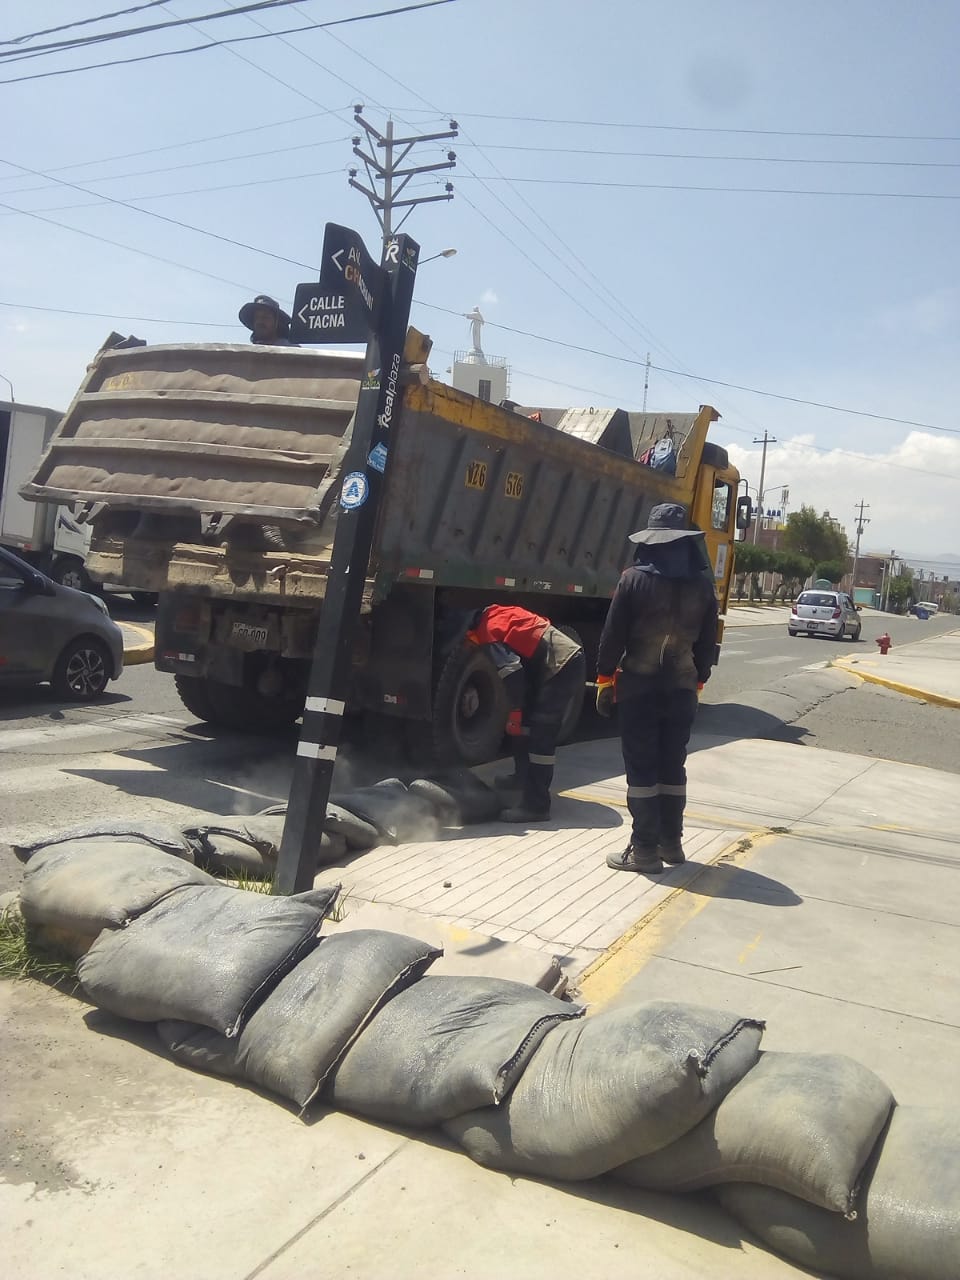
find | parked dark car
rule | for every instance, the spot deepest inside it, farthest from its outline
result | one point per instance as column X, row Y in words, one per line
column 51, row 632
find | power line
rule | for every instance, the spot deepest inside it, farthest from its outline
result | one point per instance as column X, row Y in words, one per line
column 107, row 37
column 109, row 315
column 186, row 191
column 161, row 217
column 52, row 179
column 214, row 44
column 682, row 155
column 678, row 186
column 716, row 382
column 176, row 146
column 691, row 128
column 116, row 244
column 84, row 22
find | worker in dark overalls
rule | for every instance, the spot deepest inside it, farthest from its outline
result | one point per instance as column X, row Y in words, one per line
column 658, row 644
column 553, row 668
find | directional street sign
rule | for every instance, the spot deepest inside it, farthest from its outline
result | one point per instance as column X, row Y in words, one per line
column 345, row 305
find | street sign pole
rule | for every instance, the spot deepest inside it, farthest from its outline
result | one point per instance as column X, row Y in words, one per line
column 361, row 489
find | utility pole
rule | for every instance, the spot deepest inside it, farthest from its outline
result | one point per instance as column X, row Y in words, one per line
column 886, row 587
column 391, row 175
column 767, row 439
column 646, row 383
column 861, row 521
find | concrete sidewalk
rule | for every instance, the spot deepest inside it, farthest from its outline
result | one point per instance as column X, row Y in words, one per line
column 809, row 901
column 926, row 669
column 756, row 615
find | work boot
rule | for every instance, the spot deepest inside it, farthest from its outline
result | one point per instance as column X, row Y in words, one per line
column 636, row 857
column 672, row 851
column 525, row 813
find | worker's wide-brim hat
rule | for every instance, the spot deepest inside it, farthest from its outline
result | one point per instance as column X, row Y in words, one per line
column 245, row 314
column 667, row 523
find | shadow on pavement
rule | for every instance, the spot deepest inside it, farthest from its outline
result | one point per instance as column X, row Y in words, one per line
column 730, row 882
column 35, row 700
column 738, row 720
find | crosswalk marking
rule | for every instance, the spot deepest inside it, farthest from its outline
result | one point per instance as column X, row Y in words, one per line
column 71, row 730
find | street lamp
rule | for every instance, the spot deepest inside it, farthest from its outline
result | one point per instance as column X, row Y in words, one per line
column 4, row 378
column 444, row 253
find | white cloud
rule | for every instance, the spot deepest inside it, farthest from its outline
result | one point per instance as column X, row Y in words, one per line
column 489, row 297
column 911, row 488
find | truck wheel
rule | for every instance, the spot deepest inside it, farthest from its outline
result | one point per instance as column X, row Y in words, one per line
column 83, row 670
column 193, row 693
column 574, row 709
column 70, row 572
column 469, row 709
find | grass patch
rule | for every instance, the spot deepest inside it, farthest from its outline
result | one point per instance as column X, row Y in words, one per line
column 21, row 957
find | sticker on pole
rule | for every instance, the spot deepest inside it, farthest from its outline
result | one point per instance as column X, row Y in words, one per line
column 377, row 458
column 355, row 491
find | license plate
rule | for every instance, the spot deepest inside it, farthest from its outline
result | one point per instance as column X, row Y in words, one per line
column 811, row 626
column 250, row 633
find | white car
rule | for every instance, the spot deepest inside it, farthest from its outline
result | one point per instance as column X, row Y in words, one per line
column 825, row 613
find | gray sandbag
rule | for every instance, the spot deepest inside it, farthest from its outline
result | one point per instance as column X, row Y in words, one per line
column 250, row 845
column 206, row 954
column 443, row 1046
column 908, row 1224
column 621, row 1083
column 459, row 798
column 397, row 814
column 803, row 1122
column 295, row 1038
column 356, row 833
column 84, row 886
column 162, row 835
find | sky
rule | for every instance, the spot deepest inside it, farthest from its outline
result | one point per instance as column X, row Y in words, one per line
column 758, row 194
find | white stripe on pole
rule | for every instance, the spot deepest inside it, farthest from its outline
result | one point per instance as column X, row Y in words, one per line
column 314, row 751
column 328, row 706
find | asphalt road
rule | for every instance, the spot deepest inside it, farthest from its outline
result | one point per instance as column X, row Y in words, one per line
column 139, row 752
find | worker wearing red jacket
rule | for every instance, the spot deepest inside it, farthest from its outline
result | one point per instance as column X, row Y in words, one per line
column 553, row 668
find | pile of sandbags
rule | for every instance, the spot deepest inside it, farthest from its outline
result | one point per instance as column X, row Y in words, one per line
column 387, row 812
column 806, row 1151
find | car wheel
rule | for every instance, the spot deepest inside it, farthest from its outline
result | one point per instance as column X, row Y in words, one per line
column 146, row 598
column 70, row 572
column 83, row 670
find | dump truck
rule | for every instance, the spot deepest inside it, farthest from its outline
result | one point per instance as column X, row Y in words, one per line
column 211, row 475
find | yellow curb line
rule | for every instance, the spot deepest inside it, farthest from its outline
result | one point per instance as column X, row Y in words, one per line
column 693, row 814
column 624, row 959
column 940, row 699
column 138, row 653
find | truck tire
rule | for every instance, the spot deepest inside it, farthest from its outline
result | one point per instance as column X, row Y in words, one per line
column 469, row 709
column 83, row 670
column 70, row 572
column 193, row 693
column 575, row 707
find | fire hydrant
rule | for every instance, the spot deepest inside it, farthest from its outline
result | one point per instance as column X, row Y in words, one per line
column 884, row 642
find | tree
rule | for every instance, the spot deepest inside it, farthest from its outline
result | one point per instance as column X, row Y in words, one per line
column 831, row 570
column 900, row 591
column 794, row 569
column 815, row 536
column 753, row 560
